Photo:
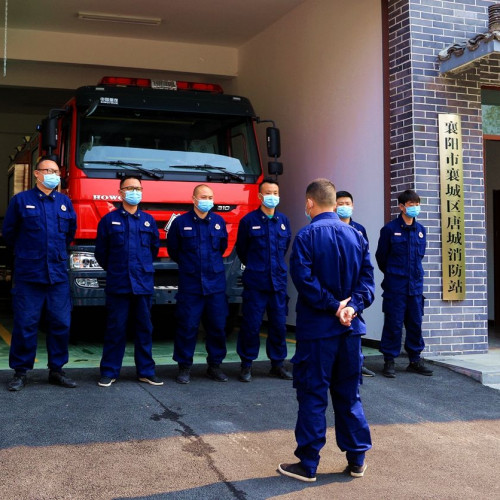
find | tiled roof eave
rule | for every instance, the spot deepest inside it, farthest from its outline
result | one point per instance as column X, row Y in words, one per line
column 459, row 57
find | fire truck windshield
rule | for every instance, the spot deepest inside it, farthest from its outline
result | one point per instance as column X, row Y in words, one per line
column 172, row 145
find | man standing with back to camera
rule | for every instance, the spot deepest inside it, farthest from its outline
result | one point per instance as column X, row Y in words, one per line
column 330, row 267
column 39, row 225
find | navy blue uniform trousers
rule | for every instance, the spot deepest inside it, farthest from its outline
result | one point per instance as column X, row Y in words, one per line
column 329, row 365
column 212, row 311
column 402, row 309
column 255, row 304
column 30, row 300
column 119, row 308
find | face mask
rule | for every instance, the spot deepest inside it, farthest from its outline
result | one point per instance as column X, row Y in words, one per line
column 204, row 205
column 413, row 211
column 270, row 200
column 51, row 181
column 133, row 197
column 308, row 216
column 344, row 211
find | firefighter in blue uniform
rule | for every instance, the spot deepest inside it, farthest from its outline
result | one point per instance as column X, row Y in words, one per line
column 330, row 267
column 401, row 248
column 127, row 242
column 197, row 240
column 345, row 207
column 263, row 240
column 39, row 225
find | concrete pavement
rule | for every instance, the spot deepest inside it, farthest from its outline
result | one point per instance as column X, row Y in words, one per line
column 433, row 438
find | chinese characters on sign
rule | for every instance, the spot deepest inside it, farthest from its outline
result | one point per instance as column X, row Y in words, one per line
column 452, row 207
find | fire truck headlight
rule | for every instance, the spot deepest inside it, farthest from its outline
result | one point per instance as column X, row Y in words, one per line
column 83, row 260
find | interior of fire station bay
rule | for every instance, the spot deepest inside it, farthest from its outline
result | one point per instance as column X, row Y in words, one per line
column 315, row 67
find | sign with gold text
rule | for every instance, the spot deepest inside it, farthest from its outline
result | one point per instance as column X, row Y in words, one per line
column 452, row 207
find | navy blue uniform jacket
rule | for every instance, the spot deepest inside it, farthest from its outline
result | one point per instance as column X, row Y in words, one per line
column 125, row 247
column 261, row 245
column 399, row 255
column 197, row 245
column 39, row 228
column 330, row 262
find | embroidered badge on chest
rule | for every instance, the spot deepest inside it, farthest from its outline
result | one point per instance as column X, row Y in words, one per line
column 147, row 224
column 283, row 227
column 217, row 226
column 420, row 235
column 63, row 208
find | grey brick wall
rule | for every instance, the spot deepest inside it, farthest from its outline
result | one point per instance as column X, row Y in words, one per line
column 418, row 30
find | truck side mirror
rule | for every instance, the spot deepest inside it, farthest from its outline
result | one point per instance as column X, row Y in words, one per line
column 48, row 130
column 275, row 168
column 273, row 142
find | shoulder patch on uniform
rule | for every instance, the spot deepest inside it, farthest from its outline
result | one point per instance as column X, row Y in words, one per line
column 217, row 226
column 147, row 224
column 63, row 208
column 421, row 235
column 283, row 226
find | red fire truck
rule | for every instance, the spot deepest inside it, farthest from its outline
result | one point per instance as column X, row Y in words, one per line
column 173, row 135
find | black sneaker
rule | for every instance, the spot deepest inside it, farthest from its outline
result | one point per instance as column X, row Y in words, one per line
column 389, row 370
column 60, row 378
column 215, row 373
column 106, row 381
column 356, row 470
column 17, row 382
column 367, row 373
column 245, row 374
column 184, row 375
column 296, row 471
column 281, row 372
column 419, row 367
column 152, row 380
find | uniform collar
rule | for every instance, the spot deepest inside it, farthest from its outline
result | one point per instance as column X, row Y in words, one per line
column 404, row 225
column 263, row 216
column 195, row 217
column 40, row 194
column 124, row 213
column 326, row 215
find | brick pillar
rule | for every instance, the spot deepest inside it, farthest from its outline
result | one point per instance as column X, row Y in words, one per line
column 418, row 30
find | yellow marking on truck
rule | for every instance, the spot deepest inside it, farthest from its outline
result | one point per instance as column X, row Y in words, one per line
column 264, row 336
column 7, row 337
column 5, row 334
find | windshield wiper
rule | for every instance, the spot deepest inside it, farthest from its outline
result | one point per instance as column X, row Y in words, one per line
column 156, row 174
column 211, row 168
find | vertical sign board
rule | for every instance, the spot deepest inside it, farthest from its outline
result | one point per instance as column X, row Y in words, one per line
column 452, row 207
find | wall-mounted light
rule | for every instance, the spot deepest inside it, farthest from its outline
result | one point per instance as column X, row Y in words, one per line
column 119, row 18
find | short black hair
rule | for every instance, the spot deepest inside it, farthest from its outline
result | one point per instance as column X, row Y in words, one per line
column 408, row 195
column 344, row 194
column 268, row 180
column 129, row 177
column 322, row 191
column 53, row 158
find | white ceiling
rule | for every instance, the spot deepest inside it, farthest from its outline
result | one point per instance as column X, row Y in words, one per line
column 213, row 22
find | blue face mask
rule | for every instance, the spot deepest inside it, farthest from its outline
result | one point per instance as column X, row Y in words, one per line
column 51, row 181
column 204, row 205
column 133, row 197
column 413, row 211
column 344, row 211
column 270, row 200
